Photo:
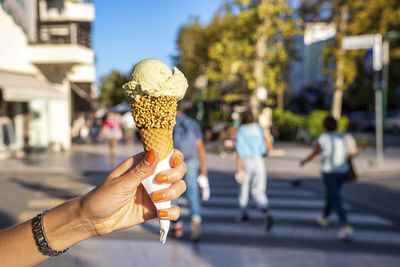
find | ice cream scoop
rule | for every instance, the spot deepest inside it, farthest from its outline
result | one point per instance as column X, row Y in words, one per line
column 154, row 78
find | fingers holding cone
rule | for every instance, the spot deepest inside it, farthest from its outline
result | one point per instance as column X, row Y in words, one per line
column 170, row 193
column 174, row 177
column 171, row 213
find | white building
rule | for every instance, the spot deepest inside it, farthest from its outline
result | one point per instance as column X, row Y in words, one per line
column 307, row 69
column 46, row 71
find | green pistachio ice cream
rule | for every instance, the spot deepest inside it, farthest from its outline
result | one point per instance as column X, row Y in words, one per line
column 154, row 78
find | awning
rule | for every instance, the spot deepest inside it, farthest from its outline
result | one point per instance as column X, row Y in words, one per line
column 84, row 95
column 22, row 87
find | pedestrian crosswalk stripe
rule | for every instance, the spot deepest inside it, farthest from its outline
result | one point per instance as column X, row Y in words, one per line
column 304, row 215
column 250, row 230
column 232, row 183
column 273, row 201
column 270, row 192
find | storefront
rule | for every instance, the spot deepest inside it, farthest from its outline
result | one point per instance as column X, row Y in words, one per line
column 24, row 101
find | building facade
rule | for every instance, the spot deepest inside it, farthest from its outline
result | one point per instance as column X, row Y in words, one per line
column 47, row 71
column 308, row 81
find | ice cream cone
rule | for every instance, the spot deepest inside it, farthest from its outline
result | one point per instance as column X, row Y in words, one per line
column 153, row 94
column 155, row 119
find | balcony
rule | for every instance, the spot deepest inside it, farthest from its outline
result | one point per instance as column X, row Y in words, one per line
column 66, row 54
column 66, row 10
column 82, row 74
column 65, row 33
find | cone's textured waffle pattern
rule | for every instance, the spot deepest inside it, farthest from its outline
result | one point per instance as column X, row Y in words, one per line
column 157, row 139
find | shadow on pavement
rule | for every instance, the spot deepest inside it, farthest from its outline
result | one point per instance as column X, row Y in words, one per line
column 6, row 220
column 48, row 190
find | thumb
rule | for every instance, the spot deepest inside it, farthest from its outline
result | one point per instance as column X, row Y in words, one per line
column 144, row 169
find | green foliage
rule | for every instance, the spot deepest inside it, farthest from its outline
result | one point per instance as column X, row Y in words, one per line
column 111, row 88
column 315, row 122
column 287, row 123
column 303, row 128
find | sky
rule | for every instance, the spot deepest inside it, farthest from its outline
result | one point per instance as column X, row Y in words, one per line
column 127, row 31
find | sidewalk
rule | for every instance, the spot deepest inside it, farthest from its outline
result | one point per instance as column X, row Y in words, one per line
column 81, row 158
column 283, row 161
column 289, row 155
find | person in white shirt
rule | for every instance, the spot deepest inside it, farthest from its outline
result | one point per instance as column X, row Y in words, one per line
column 335, row 149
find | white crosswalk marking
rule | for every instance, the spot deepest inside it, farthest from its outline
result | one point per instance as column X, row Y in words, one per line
column 294, row 209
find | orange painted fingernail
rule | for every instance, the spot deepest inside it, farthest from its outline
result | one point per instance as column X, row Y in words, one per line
column 177, row 160
column 158, row 196
column 161, row 178
column 151, row 156
column 162, row 213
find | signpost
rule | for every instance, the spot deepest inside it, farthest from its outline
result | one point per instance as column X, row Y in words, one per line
column 380, row 60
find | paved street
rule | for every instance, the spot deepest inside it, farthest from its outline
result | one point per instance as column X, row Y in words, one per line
column 296, row 198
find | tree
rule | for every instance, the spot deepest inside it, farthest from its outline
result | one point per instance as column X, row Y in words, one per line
column 193, row 43
column 243, row 48
column 111, row 88
column 254, row 45
column 350, row 17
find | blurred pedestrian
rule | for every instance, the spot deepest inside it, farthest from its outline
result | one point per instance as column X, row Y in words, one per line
column 95, row 129
column 188, row 138
column 335, row 149
column 77, row 125
column 128, row 127
column 112, row 131
column 251, row 146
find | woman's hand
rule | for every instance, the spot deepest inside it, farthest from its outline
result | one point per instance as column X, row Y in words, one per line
column 121, row 201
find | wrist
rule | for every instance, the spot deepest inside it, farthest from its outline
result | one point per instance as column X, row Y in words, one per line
column 64, row 226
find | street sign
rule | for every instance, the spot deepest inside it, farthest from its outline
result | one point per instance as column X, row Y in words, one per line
column 365, row 41
column 368, row 61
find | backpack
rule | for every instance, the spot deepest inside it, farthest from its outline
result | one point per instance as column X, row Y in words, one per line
column 184, row 138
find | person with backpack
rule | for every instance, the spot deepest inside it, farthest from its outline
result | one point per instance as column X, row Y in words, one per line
column 188, row 138
column 335, row 149
column 251, row 147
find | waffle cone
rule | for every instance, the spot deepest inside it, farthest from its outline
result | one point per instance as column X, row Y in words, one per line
column 158, row 139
